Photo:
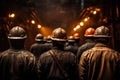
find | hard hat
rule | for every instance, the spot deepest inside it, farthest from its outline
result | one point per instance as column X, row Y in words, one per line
column 102, row 31
column 59, row 34
column 48, row 39
column 76, row 36
column 39, row 37
column 71, row 39
column 17, row 33
column 89, row 32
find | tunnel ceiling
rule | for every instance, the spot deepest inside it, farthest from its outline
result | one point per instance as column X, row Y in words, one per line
column 53, row 13
column 57, row 13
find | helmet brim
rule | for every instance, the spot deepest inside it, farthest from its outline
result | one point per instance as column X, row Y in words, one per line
column 71, row 40
column 102, row 36
column 39, row 40
column 56, row 39
column 89, row 35
column 17, row 37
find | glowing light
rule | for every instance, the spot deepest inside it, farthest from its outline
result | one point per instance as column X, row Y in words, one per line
column 33, row 22
column 88, row 8
column 91, row 11
column 86, row 19
column 78, row 26
column 97, row 9
column 74, row 29
column 11, row 15
column 39, row 26
column 94, row 12
column 81, row 23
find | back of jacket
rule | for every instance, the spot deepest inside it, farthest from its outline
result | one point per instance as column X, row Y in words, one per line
column 49, row 69
column 17, row 65
column 72, row 48
column 38, row 48
column 84, row 47
column 100, row 63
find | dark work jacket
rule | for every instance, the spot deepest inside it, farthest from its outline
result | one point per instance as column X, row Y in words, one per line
column 17, row 65
column 38, row 48
column 49, row 69
column 100, row 63
column 72, row 48
column 88, row 45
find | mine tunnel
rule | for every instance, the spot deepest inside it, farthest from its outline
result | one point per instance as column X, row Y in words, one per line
column 42, row 16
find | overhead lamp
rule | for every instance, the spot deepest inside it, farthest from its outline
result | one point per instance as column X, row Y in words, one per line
column 74, row 29
column 39, row 26
column 33, row 22
column 78, row 26
column 81, row 23
column 12, row 15
column 94, row 12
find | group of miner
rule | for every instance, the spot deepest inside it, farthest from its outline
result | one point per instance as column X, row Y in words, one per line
column 60, row 57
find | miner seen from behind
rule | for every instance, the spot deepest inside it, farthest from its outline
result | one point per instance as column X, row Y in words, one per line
column 89, row 42
column 77, row 39
column 58, row 64
column 48, row 42
column 100, row 62
column 39, row 46
column 71, row 45
column 16, row 63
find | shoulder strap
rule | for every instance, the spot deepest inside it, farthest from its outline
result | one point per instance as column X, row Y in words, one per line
column 59, row 64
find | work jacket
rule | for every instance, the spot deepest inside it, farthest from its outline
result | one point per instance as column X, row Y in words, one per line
column 17, row 65
column 87, row 45
column 49, row 69
column 100, row 63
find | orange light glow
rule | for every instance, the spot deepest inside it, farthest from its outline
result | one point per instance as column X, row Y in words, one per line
column 78, row 26
column 39, row 26
column 74, row 29
column 81, row 24
column 86, row 19
column 94, row 12
column 33, row 22
column 11, row 15
column 46, row 30
column 97, row 9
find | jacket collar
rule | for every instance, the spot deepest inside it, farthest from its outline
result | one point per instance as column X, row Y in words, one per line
column 100, row 45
